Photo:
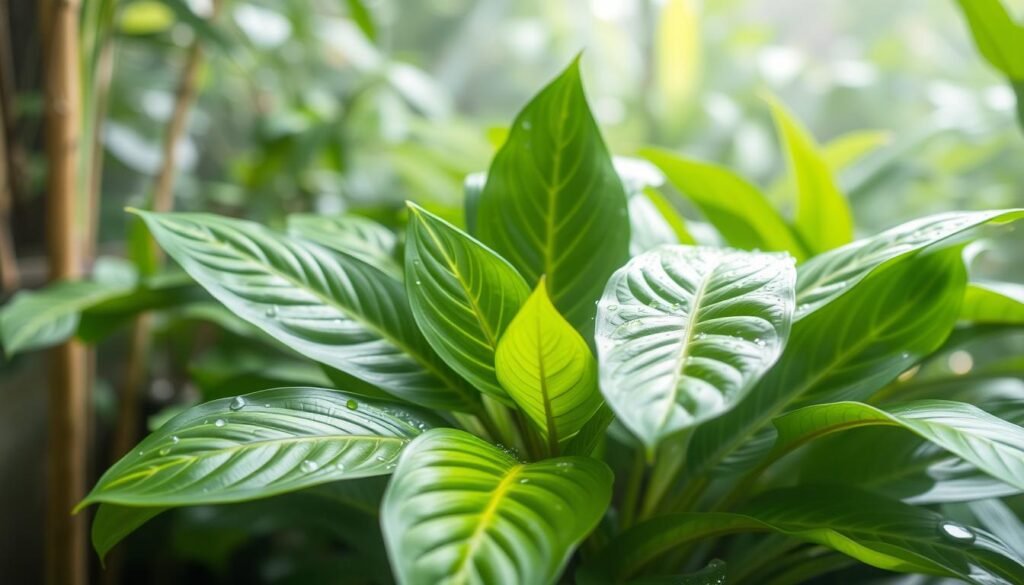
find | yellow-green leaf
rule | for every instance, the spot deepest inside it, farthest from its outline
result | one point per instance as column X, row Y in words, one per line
column 547, row 368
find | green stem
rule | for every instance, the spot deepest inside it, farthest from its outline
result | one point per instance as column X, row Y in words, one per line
column 630, row 505
column 669, row 461
column 474, row 424
column 504, row 423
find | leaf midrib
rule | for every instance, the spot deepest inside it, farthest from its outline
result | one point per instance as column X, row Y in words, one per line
column 486, row 518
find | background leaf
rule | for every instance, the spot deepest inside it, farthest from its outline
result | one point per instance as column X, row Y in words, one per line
column 547, row 368
column 460, row 510
column 330, row 307
column 993, row 302
column 684, row 332
column 258, row 445
column 553, row 204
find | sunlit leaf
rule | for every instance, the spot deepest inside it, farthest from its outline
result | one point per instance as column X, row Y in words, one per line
column 684, row 332
column 459, row 510
column 349, row 234
column 994, row 302
column 999, row 39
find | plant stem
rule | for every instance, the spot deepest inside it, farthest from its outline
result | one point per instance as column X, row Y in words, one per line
column 637, row 475
column 504, row 423
column 669, row 460
column 69, row 390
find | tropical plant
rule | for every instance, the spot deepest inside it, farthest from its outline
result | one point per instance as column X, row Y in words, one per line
column 578, row 383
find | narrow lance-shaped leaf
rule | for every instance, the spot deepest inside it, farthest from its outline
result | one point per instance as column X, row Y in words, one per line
column 999, row 39
column 684, row 332
column 990, row 443
column 737, row 209
column 547, row 368
column 463, row 296
column 330, row 307
column 258, row 445
column 349, row 234
column 823, row 217
column 459, row 510
column 883, row 533
column 994, row 302
column 553, row 204
column 823, row 278
column 847, row 350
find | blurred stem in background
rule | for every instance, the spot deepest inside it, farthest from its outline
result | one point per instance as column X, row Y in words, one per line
column 69, row 406
column 10, row 153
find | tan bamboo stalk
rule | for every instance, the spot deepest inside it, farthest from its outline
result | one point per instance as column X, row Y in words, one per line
column 10, row 276
column 69, row 390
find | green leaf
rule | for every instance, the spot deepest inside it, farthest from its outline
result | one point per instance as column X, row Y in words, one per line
column 463, row 296
column 990, row 443
column 999, row 39
column 349, row 234
column 1001, row 520
column 258, row 445
column 823, row 217
column 358, row 11
column 329, row 307
column 113, row 523
column 655, row 222
column 50, row 316
column 737, row 209
column 684, row 332
column 994, row 302
column 547, row 369
column 472, row 188
column 880, row 532
column 553, row 204
column 823, row 278
column 459, row 510
column 848, row 349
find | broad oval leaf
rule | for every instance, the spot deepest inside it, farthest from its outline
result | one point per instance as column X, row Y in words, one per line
column 823, row 278
column 737, row 209
column 463, row 296
column 47, row 317
column 823, row 216
column 553, row 204
column 330, row 307
column 258, row 445
column 990, row 443
column 994, row 302
column 459, row 510
column 547, row 369
column 349, row 234
column 883, row 533
column 846, row 350
column 684, row 332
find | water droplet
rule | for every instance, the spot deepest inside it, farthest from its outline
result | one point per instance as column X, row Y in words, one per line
column 380, row 458
column 175, row 439
column 418, row 283
column 391, row 465
column 271, row 311
column 955, row 532
column 164, row 452
column 760, row 342
column 219, row 422
column 613, row 308
column 141, row 453
column 309, row 466
column 238, row 403
column 524, row 480
column 340, row 466
column 352, row 404
column 266, row 405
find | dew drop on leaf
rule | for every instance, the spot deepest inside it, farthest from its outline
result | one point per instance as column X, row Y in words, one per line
column 271, row 311
column 219, row 422
column 309, row 466
column 352, row 404
column 955, row 532
column 238, row 403
column 165, row 451
column 175, row 439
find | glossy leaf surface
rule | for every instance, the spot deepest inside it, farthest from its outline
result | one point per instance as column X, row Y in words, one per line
column 349, row 234
column 459, row 510
column 553, row 204
column 684, row 332
column 330, row 307
column 258, row 445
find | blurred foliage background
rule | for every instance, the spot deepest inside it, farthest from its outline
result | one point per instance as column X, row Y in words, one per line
column 334, row 105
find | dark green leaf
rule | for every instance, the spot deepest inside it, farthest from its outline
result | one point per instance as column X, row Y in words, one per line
column 350, row 234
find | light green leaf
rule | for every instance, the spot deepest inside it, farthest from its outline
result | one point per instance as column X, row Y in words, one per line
column 330, row 307
column 990, row 443
column 684, row 332
column 880, row 532
column 678, row 62
column 737, row 209
column 258, row 445
column 840, row 154
column 823, row 278
column 463, row 296
column 848, row 349
column 459, row 510
column 553, row 204
column 47, row 317
column 994, row 302
column 349, row 234
column 547, row 369
column 823, row 217
column 999, row 39
column 1001, row 520
column 655, row 223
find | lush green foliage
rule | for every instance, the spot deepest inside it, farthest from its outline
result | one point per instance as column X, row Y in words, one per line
column 628, row 419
